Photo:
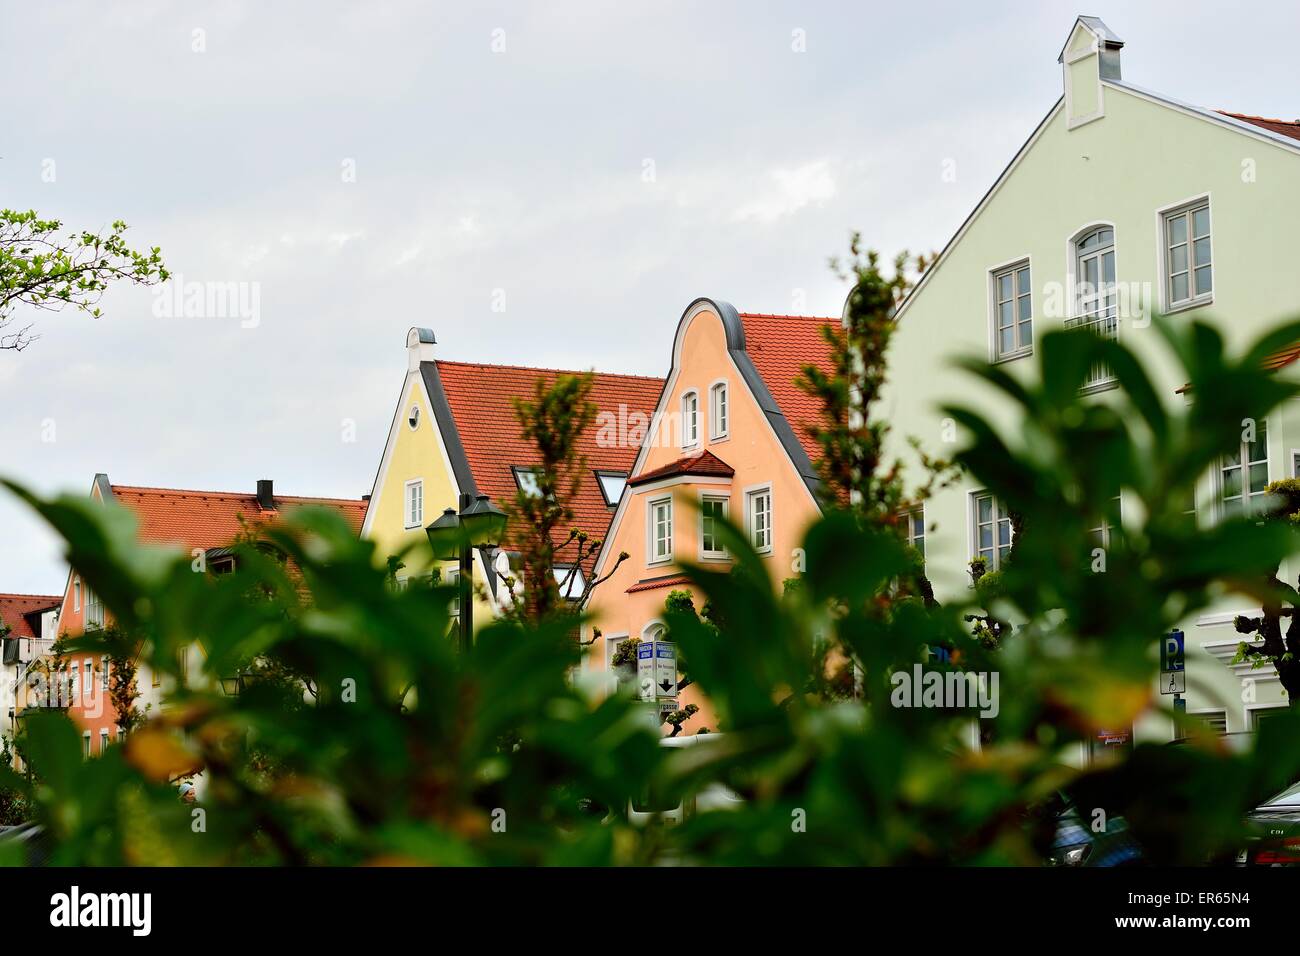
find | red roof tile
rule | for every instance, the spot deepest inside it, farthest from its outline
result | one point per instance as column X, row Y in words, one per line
column 1282, row 358
column 1289, row 128
column 480, row 399
column 211, row 519
column 14, row 609
column 780, row 346
column 654, row 583
column 701, row 463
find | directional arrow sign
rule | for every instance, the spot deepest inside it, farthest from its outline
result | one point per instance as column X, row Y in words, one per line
column 665, row 669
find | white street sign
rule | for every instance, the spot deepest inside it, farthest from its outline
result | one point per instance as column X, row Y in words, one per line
column 1173, row 682
column 645, row 670
column 665, row 671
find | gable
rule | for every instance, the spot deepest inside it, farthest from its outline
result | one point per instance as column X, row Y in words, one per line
column 410, row 454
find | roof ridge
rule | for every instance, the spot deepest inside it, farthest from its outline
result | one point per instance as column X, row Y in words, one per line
column 198, row 492
column 23, row 594
column 544, row 368
column 775, row 315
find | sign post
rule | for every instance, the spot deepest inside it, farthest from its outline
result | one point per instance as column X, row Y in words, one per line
column 1173, row 671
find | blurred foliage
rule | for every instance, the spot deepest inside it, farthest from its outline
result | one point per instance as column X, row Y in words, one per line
column 405, row 751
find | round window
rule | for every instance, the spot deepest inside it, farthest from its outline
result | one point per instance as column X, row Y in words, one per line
column 413, row 417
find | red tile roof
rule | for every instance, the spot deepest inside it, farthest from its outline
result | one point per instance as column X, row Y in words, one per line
column 1289, row 128
column 1282, row 358
column 780, row 346
column 654, row 583
column 479, row 396
column 14, row 609
column 701, row 463
column 211, row 519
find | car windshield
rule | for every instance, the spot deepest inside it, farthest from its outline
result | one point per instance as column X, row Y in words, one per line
column 1289, row 797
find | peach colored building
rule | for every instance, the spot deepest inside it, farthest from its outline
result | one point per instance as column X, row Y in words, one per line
column 729, row 436
column 205, row 524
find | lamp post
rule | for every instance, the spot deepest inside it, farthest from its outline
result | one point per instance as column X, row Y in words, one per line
column 454, row 535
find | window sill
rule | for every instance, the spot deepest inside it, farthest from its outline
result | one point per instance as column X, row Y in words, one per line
column 714, row 556
column 1096, row 387
column 718, row 439
column 1012, row 356
column 1190, row 304
column 661, row 562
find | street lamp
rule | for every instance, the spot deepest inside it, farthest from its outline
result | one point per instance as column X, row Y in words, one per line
column 453, row 536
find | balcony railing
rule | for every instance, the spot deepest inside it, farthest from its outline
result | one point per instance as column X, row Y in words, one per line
column 1105, row 325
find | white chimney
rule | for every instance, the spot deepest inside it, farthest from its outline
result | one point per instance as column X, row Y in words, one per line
column 1090, row 55
column 420, row 345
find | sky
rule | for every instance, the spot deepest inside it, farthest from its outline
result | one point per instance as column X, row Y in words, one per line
column 540, row 183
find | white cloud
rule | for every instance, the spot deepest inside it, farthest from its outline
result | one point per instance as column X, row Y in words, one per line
column 788, row 191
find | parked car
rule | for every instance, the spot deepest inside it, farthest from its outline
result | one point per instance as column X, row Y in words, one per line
column 31, row 837
column 1076, row 843
column 655, row 807
column 1275, row 826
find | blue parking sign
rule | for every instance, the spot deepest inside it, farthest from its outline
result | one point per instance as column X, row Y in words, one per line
column 1171, row 651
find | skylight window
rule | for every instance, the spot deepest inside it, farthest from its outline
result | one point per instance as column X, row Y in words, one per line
column 612, row 484
column 527, row 480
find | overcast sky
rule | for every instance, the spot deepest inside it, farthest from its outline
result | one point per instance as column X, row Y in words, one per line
column 592, row 166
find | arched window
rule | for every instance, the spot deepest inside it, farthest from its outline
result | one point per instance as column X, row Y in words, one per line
column 1096, row 297
column 719, row 411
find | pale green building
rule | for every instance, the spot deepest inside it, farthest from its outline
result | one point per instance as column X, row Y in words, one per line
column 1122, row 200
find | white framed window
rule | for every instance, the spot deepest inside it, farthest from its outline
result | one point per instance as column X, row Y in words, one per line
column 612, row 641
column 74, row 669
column 612, row 484
column 990, row 529
column 103, row 671
column 453, row 581
column 576, row 581
column 85, row 744
column 76, row 594
column 103, row 741
column 413, row 417
column 758, row 518
column 1243, row 475
column 914, row 527
column 1258, row 713
column 1096, row 296
column 90, row 677
column 1295, row 462
column 1186, row 255
column 94, row 610
column 1012, row 298
column 690, row 418
column 713, row 511
column 660, row 537
column 719, row 411
column 1102, row 532
column 415, row 503
column 1217, row 719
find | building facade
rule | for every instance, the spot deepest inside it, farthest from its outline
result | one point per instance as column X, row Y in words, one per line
column 204, row 525
column 729, row 437
column 1122, row 202
column 455, row 433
